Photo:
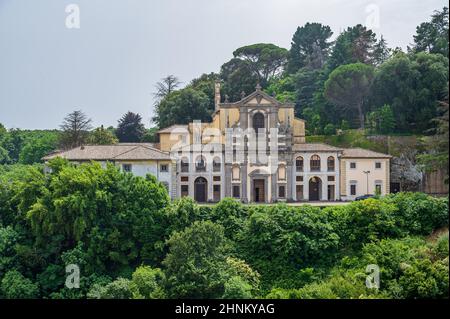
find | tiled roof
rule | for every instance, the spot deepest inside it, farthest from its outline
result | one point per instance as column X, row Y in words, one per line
column 126, row 151
column 315, row 147
column 362, row 153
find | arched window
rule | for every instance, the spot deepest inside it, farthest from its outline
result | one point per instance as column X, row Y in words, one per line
column 216, row 164
column 314, row 163
column 184, row 165
column 299, row 164
column 330, row 163
column 200, row 164
column 258, row 122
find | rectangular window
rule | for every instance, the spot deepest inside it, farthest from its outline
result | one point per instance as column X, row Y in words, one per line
column 236, row 191
column 164, row 168
column 299, row 192
column 352, row 165
column 330, row 178
column 216, row 178
column 353, row 189
column 281, row 191
column 377, row 165
column 299, row 178
column 216, row 193
column 126, row 167
column 184, row 178
column 378, row 189
column 184, row 190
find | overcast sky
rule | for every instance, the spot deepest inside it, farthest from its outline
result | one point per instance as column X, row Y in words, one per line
column 123, row 47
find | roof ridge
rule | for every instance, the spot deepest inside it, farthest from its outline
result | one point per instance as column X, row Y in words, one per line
column 154, row 149
column 126, row 151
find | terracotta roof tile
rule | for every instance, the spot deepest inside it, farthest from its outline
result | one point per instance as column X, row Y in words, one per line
column 361, row 153
column 126, row 151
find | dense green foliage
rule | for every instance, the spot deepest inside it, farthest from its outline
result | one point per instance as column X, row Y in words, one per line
column 411, row 83
column 130, row 241
column 130, row 128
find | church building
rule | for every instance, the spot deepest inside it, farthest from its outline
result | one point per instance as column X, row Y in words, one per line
column 253, row 150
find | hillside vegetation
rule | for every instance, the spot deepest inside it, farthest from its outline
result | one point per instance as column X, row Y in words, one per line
column 130, row 241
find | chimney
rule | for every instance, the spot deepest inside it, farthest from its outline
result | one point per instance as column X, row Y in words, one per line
column 217, row 95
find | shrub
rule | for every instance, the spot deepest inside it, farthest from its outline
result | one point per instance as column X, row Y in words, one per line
column 147, row 283
column 15, row 286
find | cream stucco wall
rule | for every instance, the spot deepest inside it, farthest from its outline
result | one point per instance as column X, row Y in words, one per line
column 360, row 178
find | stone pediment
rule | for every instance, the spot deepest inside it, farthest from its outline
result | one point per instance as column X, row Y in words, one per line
column 259, row 98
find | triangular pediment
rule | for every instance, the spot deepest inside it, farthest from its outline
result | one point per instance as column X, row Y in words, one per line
column 259, row 98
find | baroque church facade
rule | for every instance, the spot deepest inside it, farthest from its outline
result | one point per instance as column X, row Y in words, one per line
column 253, row 150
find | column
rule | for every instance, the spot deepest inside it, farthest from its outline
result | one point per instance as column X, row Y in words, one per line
column 289, row 180
column 244, row 196
column 227, row 185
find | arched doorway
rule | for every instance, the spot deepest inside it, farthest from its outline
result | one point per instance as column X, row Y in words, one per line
column 200, row 190
column 258, row 122
column 315, row 188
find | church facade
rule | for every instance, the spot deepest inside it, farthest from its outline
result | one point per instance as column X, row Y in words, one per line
column 253, row 150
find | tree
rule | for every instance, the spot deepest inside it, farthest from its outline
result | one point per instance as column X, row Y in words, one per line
column 264, row 60
column 75, row 129
column 111, row 213
column 412, row 84
column 4, row 156
column 433, row 36
column 118, row 289
column 150, row 135
column 130, row 128
column 382, row 120
column 36, row 148
column 196, row 261
column 329, row 129
column 237, row 78
column 237, row 288
column 15, row 286
column 356, row 44
column 183, row 107
column 387, row 120
column 381, row 52
column 166, row 86
column 348, row 87
column 100, row 136
column 252, row 64
column 147, row 283
column 437, row 151
column 309, row 47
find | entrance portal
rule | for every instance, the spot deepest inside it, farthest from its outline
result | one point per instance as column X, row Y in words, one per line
column 259, row 191
column 331, row 193
column 315, row 188
column 200, row 190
